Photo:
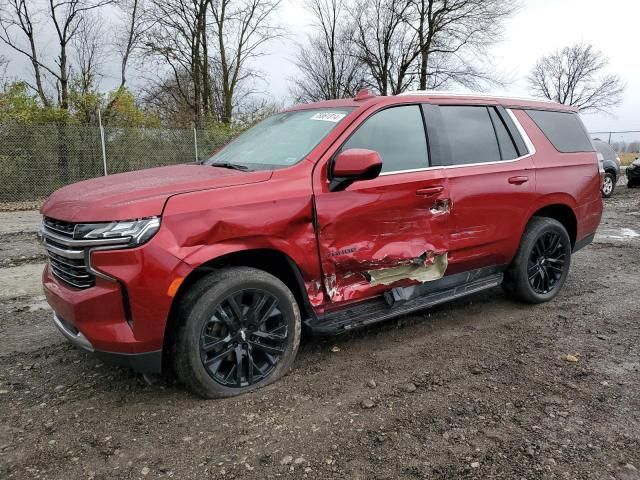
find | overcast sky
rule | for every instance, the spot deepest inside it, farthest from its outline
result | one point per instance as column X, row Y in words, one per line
column 540, row 27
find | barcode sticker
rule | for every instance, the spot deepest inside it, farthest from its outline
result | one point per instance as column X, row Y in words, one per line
column 328, row 116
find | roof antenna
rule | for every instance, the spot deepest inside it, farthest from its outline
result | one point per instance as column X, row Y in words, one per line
column 363, row 94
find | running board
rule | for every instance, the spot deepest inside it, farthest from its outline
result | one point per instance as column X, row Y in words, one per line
column 378, row 310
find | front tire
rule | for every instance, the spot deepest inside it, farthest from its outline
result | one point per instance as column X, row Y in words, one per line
column 240, row 331
column 541, row 265
column 608, row 184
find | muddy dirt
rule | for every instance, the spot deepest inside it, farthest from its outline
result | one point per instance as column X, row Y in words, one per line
column 480, row 388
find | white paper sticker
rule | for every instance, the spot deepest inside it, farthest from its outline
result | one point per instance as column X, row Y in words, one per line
column 334, row 117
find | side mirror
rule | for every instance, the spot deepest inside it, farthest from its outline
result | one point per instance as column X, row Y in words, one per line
column 354, row 164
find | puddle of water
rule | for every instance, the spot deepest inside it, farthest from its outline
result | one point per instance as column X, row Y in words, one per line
column 620, row 234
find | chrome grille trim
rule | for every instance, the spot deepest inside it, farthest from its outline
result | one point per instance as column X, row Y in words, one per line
column 67, row 257
column 70, row 242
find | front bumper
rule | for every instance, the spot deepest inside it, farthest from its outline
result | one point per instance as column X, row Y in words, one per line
column 146, row 362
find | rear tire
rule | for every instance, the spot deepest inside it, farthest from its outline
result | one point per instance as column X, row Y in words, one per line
column 541, row 265
column 608, row 184
column 240, row 331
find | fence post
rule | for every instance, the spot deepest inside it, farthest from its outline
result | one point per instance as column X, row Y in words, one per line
column 609, row 142
column 195, row 142
column 104, row 150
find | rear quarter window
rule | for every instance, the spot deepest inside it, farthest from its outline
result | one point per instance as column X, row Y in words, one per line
column 563, row 129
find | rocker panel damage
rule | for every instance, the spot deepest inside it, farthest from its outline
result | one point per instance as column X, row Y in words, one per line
column 421, row 271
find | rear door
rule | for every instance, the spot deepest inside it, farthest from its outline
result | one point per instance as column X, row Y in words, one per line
column 492, row 183
column 391, row 230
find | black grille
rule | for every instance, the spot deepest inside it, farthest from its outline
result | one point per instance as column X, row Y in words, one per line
column 59, row 226
column 67, row 260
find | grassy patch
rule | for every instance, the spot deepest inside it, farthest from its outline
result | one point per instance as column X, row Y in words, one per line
column 627, row 158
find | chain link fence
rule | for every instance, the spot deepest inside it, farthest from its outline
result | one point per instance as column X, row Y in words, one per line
column 35, row 160
column 621, row 141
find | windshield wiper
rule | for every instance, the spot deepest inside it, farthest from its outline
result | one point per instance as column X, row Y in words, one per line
column 233, row 166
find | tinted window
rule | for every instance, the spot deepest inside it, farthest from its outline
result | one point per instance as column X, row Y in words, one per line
column 471, row 135
column 507, row 147
column 563, row 129
column 397, row 134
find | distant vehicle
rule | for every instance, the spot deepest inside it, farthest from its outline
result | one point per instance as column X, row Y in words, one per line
column 610, row 163
column 329, row 216
column 633, row 173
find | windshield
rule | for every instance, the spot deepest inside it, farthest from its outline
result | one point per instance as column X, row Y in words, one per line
column 281, row 140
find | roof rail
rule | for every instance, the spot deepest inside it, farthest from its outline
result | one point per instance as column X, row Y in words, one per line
column 445, row 93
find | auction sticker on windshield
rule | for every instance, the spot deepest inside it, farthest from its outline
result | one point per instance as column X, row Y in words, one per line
column 329, row 116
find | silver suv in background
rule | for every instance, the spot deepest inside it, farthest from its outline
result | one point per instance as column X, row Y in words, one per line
column 610, row 163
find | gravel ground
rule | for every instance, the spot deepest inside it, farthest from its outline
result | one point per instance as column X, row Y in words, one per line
column 480, row 388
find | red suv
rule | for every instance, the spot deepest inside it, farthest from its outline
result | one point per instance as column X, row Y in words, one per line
column 325, row 217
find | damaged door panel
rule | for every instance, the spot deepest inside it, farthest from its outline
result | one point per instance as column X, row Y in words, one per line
column 393, row 229
column 381, row 232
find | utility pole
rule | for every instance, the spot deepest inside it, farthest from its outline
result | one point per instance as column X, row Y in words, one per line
column 104, row 151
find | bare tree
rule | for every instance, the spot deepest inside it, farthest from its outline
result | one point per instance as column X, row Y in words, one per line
column 18, row 24
column 575, row 75
column 16, row 21
column 329, row 67
column 453, row 38
column 89, row 53
column 384, row 43
column 242, row 27
column 67, row 17
column 136, row 23
column 177, row 41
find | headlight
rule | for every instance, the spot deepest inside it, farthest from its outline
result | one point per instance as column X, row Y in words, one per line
column 137, row 231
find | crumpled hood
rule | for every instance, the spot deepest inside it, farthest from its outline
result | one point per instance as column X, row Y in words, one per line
column 139, row 194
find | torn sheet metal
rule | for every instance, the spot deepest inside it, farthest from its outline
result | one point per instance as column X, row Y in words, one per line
column 423, row 271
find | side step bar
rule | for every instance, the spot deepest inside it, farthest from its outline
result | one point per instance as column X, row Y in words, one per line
column 378, row 310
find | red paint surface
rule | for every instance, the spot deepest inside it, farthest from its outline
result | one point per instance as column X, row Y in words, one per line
column 389, row 221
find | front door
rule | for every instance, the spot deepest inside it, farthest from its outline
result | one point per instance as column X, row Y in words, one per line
column 389, row 231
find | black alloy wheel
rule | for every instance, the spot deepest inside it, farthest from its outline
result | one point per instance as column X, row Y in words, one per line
column 541, row 264
column 244, row 339
column 546, row 263
column 239, row 330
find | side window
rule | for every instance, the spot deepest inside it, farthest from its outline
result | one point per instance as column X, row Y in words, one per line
column 472, row 138
column 397, row 134
column 563, row 129
column 505, row 142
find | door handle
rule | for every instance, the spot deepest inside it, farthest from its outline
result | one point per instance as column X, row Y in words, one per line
column 430, row 191
column 518, row 179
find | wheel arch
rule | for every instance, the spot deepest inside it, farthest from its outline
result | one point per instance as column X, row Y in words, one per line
column 272, row 261
column 564, row 214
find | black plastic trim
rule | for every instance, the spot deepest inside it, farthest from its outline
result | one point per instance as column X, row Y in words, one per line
column 439, row 153
column 146, row 362
column 404, row 300
column 580, row 244
column 521, row 146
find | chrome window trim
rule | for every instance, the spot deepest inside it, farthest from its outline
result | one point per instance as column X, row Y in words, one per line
column 527, row 141
column 396, row 172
